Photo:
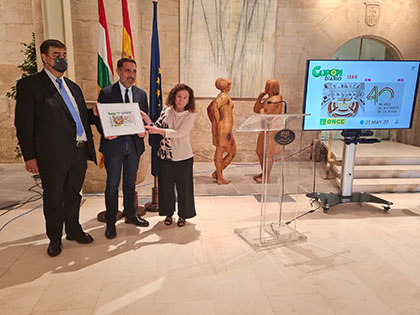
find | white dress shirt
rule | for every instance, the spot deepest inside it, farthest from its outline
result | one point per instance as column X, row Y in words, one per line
column 130, row 92
column 83, row 137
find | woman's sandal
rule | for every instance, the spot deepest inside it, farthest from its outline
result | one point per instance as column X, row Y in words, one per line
column 181, row 222
column 168, row 221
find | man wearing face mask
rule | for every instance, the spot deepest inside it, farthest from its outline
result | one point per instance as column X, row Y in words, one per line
column 122, row 152
column 53, row 129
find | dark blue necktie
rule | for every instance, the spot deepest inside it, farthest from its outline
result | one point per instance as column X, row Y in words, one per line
column 126, row 98
column 66, row 98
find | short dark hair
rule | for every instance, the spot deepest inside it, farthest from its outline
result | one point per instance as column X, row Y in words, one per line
column 122, row 60
column 46, row 44
column 170, row 101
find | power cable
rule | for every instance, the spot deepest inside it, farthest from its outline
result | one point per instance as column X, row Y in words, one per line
column 38, row 195
column 17, row 217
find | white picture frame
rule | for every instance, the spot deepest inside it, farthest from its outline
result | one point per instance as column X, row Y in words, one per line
column 119, row 119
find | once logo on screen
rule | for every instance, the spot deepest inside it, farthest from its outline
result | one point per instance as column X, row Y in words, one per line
column 328, row 74
column 332, row 121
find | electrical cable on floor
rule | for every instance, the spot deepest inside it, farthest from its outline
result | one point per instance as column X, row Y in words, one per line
column 20, row 215
column 33, row 198
column 307, row 212
column 20, row 204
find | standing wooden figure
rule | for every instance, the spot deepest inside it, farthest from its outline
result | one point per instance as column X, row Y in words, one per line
column 272, row 105
column 220, row 112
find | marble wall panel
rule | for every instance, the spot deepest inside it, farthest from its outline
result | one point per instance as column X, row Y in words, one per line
column 227, row 38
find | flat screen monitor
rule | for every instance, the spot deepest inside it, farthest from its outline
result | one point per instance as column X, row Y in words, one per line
column 360, row 94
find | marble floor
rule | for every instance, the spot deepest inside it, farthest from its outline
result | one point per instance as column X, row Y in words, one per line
column 356, row 260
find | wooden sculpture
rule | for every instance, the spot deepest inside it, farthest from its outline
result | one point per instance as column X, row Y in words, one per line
column 220, row 112
column 271, row 105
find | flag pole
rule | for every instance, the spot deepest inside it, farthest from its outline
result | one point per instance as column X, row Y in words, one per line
column 127, row 51
column 155, row 107
column 105, row 74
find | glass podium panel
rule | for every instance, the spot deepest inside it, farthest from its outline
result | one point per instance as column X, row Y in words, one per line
column 281, row 139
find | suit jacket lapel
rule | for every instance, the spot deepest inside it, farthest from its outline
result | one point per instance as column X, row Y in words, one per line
column 53, row 90
column 136, row 95
column 116, row 92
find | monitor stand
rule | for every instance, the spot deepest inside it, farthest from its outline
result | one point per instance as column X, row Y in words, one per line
column 351, row 138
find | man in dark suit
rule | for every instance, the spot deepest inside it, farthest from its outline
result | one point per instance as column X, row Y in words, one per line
column 122, row 151
column 53, row 129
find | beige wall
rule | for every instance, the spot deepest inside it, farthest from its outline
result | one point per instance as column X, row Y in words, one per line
column 16, row 25
column 317, row 28
column 305, row 29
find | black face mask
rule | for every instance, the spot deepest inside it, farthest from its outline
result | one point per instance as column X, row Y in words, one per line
column 60, row 64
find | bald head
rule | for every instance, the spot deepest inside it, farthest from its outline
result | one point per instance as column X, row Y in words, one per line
column 223, row 84
column 272, row 87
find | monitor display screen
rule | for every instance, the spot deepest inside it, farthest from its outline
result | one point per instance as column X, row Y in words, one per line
column 360, row 94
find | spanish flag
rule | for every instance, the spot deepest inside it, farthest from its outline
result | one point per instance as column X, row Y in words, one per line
column 127, row 42
column 105, row 70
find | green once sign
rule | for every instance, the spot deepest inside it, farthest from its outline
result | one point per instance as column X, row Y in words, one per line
column 318, row 72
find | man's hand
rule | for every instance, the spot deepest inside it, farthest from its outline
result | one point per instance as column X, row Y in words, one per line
column 111, row 137
column 142, row 134
column 95, row 110
column 32, row 166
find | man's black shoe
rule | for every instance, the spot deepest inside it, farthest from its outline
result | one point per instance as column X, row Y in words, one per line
column 136, row 220
column 54, row 249
column 110, row 231
column 83, row 238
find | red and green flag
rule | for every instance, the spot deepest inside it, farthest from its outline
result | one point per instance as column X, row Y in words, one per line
column 105, row 70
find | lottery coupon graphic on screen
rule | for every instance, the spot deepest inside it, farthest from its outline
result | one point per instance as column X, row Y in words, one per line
column 353, row 94
column 119, row 119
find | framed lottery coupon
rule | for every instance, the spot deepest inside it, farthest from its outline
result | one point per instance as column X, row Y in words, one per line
column 120, row 119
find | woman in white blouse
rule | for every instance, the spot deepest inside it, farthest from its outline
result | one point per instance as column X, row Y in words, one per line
column 175, row 154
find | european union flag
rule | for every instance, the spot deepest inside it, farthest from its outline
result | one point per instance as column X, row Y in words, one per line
column 155, row 90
